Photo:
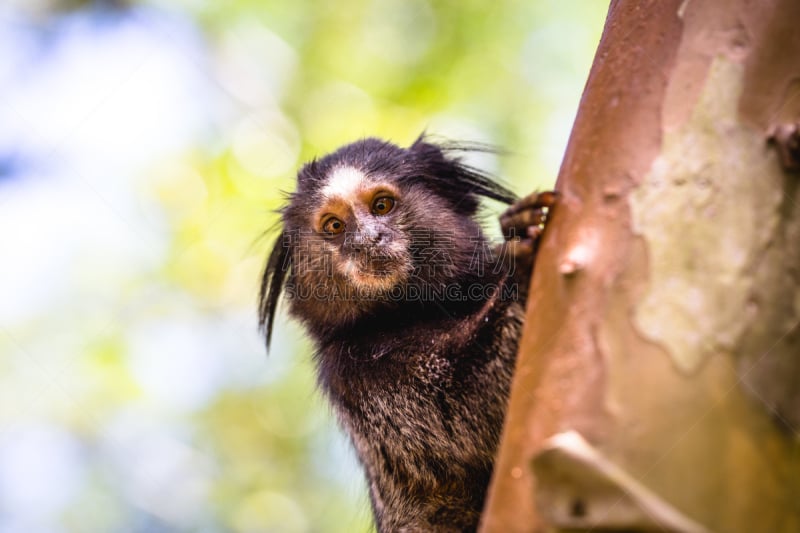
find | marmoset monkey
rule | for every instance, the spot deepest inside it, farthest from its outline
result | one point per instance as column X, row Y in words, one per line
column 415, row 317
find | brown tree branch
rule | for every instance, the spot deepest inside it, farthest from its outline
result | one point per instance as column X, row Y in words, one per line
column 662, row 347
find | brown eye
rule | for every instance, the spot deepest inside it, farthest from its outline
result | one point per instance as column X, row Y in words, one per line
column 333, row 226
column 382, row 205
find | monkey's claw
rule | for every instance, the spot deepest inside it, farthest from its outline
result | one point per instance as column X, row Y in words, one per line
column 526, row 219
column 523, row 224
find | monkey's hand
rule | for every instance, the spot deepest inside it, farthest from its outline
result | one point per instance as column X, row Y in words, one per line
column 523, row 224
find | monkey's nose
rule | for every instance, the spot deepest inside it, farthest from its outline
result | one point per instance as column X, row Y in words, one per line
column 363, row 241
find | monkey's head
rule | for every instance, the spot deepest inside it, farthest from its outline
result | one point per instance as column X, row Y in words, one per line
column 372, row 225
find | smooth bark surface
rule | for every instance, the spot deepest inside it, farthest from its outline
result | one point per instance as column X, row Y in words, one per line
column 662, row 344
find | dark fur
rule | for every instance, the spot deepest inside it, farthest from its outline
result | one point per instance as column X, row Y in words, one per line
column 420, row 386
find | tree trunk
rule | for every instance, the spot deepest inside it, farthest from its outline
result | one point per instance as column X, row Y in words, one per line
column 658, row 380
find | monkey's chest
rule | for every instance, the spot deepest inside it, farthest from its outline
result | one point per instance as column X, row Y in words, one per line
column 424, row 413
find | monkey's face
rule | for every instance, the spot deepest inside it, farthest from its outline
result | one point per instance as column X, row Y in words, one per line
column 357, row 226
column 351, row 247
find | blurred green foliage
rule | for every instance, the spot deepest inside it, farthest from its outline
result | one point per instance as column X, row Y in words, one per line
column 293, row 80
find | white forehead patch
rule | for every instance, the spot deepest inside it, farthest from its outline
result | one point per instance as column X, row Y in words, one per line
column 344, row 182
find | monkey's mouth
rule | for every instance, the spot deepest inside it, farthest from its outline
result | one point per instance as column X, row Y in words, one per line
column 374, row 271
column 380, row 266
column 375, row 265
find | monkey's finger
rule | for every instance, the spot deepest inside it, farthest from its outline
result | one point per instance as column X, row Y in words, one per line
column 535, row 200
column 534, row 232
column 532, row 210
column 520, row 222
column 528, row 217
column 547, row 198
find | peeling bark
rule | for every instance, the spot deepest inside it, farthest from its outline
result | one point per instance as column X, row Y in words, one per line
column 664, row 322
